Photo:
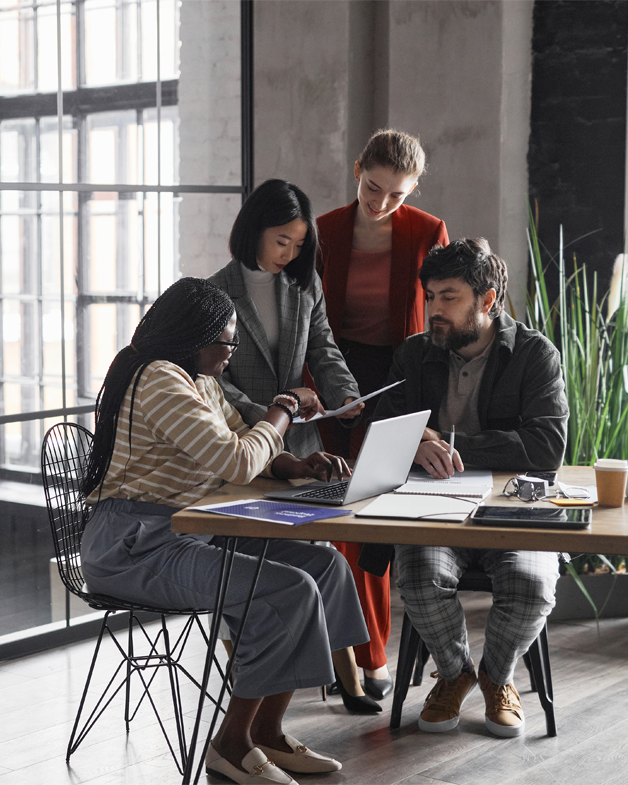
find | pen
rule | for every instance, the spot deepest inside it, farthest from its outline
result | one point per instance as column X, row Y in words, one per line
column 452, row 436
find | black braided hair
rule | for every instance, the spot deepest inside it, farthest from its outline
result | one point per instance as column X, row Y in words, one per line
column 189, row 315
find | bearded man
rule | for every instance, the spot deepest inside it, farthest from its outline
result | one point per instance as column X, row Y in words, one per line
column 500, row 384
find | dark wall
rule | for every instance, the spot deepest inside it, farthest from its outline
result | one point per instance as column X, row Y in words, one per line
column 578, row 126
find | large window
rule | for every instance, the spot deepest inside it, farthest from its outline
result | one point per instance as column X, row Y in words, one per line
column 90, row 196
column 125, row 139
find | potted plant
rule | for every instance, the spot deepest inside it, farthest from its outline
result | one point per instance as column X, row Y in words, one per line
column 591, row 333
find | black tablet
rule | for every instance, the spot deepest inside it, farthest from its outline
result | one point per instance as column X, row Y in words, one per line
column 533, row 517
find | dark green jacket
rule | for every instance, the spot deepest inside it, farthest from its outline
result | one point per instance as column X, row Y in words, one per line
column 522, row 407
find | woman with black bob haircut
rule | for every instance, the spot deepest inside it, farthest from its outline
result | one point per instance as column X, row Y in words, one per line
column 164, row 438
column 281, row 311
column 275, row 203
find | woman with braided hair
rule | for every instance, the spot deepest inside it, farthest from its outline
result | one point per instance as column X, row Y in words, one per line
column 165, row 437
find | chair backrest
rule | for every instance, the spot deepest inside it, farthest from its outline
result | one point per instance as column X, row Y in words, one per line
column 64, row 455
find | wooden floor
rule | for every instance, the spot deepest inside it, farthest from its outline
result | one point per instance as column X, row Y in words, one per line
column 40, row 694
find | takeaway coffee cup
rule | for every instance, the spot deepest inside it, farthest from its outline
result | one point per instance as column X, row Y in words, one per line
column 610, row 478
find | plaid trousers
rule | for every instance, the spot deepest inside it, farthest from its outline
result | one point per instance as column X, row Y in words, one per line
column 524, row 585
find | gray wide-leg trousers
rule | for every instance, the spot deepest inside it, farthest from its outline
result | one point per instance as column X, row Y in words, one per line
column 305, row 605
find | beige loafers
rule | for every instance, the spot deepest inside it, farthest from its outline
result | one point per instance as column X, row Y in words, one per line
column 259, row 770
column 301, row 759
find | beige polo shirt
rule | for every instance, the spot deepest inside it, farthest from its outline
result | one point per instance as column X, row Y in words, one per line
column 460, row 405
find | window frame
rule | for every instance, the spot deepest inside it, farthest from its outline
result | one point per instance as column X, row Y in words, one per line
column 78, row 104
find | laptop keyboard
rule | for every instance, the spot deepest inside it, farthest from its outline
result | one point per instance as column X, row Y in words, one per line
column 335, row 491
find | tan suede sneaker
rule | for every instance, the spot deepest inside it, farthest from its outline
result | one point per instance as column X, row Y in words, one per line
column 441, row 710
column 504, row 715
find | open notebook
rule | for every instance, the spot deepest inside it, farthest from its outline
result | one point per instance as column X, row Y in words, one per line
column 419, row 508
column 472, row 483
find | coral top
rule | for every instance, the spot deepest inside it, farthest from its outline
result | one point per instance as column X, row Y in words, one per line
column 367, row 310
column 414, row 234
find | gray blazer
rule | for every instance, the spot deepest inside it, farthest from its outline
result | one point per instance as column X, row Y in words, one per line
column 251, row 380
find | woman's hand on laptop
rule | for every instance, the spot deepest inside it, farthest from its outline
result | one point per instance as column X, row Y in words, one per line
column 433, row 456
column 318, row 465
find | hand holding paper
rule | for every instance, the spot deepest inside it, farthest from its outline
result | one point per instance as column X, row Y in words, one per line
column 347, row 407
column 354, row 412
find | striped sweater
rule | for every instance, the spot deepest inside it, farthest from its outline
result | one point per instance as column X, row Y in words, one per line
column 185, row 440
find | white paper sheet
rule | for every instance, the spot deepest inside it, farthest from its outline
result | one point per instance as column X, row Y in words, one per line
column 469, row 477
column 343, row 409
column 426, row 508
column 472, row 482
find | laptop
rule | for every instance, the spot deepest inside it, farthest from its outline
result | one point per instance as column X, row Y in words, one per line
column 382, row 465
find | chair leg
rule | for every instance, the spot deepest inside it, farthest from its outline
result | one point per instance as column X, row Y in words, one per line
column 528, row 664
column 175, row 691
column 129, row 670
column 142, row 663
column 107, row 695
column 541, row 669
column 421, row 660
column 71, row 745
column 408, row 648
column 161, row 654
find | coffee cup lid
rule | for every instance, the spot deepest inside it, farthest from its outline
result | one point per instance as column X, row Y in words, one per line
column 610, row 465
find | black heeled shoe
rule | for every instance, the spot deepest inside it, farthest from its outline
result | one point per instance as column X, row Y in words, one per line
column 378, row 689
column 358, row 704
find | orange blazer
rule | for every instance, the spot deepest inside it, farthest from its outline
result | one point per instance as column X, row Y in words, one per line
column 414, row 234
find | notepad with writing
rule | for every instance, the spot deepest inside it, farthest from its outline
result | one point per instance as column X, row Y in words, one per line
column 419, row 508
column 472, row 483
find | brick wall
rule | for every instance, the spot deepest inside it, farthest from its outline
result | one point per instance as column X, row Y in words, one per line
column 578, row 126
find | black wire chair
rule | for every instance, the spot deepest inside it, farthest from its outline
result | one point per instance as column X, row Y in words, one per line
column 414, row 654
column 64, row 455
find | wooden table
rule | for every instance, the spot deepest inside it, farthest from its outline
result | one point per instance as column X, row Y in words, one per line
column 608, row 533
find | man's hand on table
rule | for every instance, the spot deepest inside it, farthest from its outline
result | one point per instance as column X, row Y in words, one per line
column 318, row 465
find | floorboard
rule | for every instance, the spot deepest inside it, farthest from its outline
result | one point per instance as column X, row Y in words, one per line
column 40, row 695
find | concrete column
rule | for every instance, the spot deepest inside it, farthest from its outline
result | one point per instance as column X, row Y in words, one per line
column 459, row 77
column 209, row 131
column 515, row 135
column 302, row 96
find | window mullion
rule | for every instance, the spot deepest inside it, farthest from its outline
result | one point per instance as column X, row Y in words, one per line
column 80, row 42
column 3, row 455
column 61, row 223
column 83, row 322
column 141, row 206
column 158, row 99
column 35, row 41
column 39, row 280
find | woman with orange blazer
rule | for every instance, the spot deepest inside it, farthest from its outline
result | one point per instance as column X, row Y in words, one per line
column 369, row 259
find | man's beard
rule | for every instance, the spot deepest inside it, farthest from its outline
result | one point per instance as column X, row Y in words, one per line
column 453, row 339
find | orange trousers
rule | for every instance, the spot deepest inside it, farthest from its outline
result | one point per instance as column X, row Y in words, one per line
column 370, row 366
column 374, row 596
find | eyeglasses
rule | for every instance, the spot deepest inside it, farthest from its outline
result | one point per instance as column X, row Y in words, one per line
column 233, row 345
